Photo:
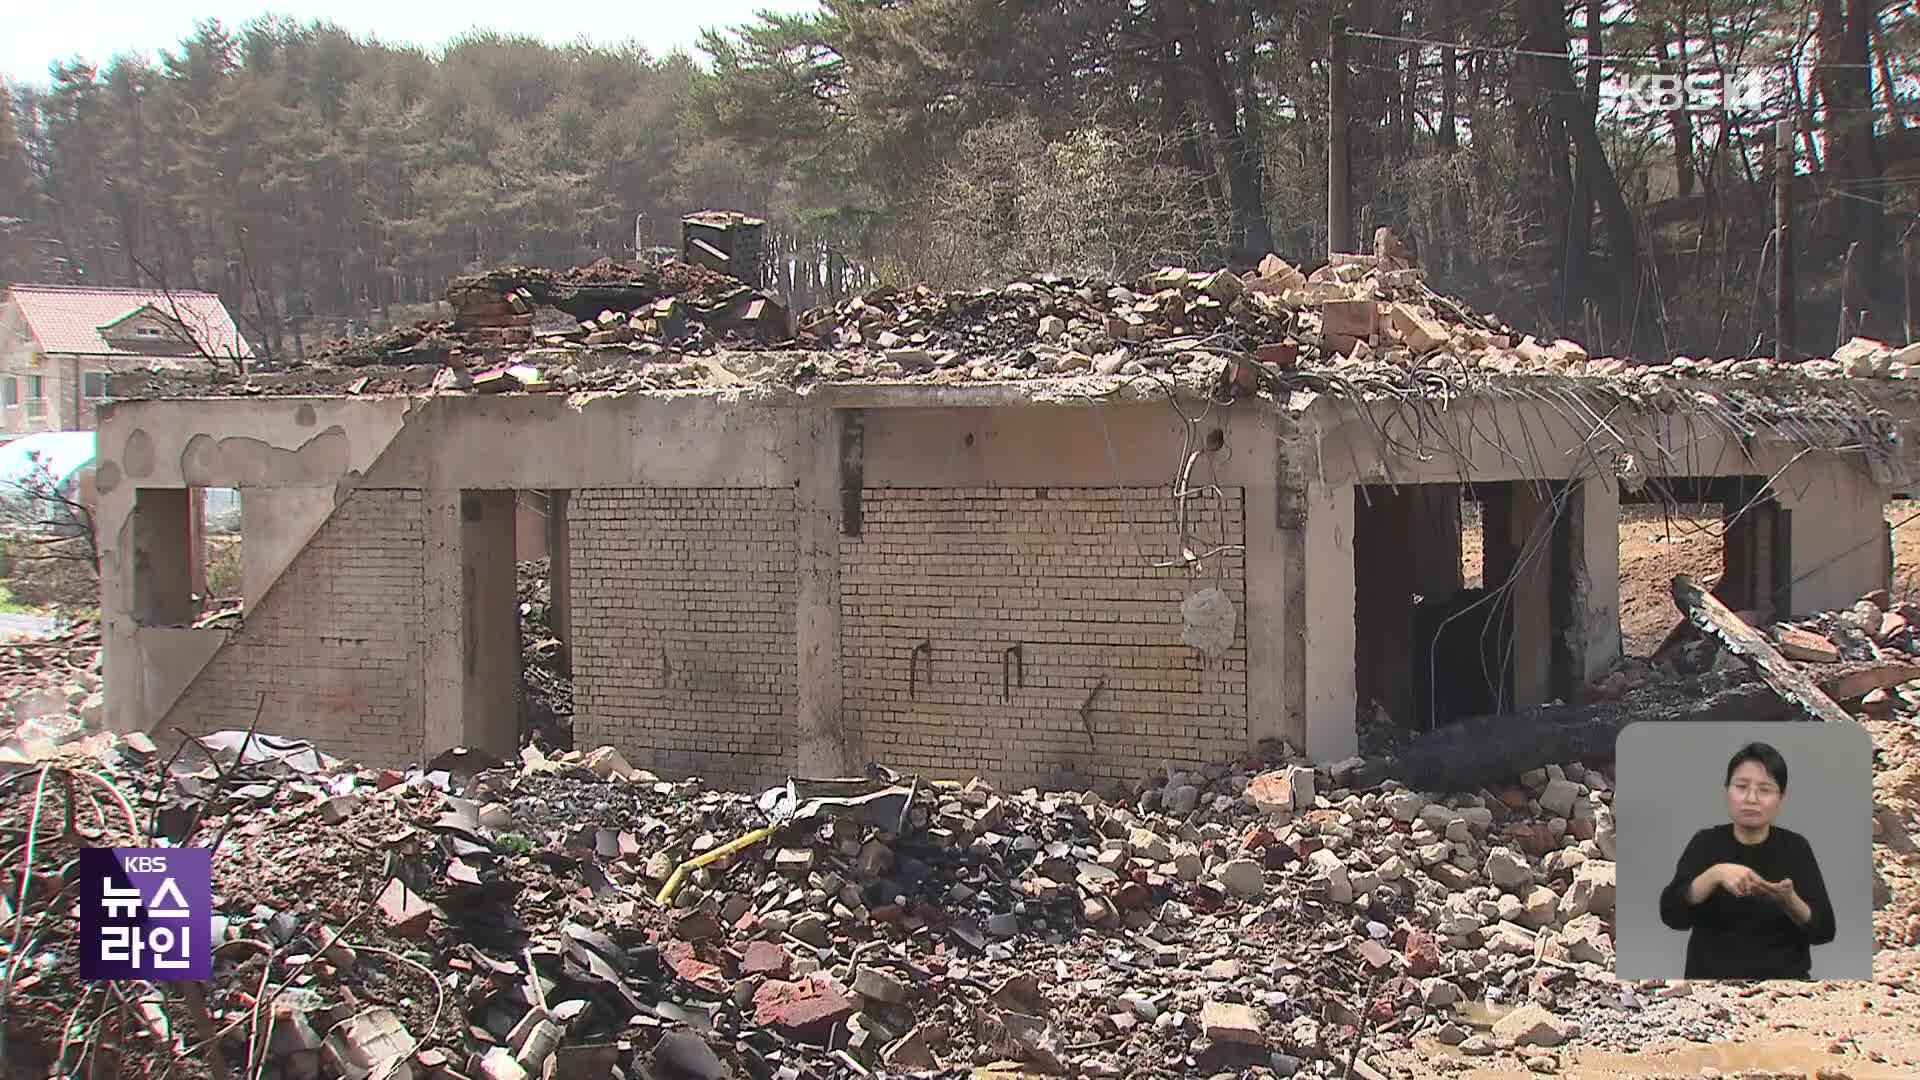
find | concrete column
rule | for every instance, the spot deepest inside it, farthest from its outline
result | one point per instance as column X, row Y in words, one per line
column 163, row 571
column 444, row 680
column 1519, row 550
column 1595, row 520
column 1295, row 462
column 821, row 748
column 197, row 542
column 490, row 621
column 559, row 578
column 1265, row 620
column 1327, row 624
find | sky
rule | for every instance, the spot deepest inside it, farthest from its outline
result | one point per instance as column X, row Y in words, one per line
column 36, row 35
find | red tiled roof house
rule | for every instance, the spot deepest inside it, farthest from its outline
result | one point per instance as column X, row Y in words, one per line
column 58, row 344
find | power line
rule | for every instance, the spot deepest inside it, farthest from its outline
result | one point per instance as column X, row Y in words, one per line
column 1573, row 58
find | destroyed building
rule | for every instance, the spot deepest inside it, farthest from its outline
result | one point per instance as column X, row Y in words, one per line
column 1065, row 531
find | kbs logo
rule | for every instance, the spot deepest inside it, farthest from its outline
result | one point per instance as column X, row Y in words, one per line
column 1704, row 91
column 146, row 913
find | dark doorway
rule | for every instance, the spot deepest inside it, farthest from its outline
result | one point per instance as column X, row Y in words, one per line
column 1463, row 599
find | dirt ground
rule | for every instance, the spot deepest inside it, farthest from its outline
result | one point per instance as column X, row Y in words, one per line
column 1656, row 544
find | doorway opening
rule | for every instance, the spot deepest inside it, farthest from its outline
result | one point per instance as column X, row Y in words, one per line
column 1462, row 602
column 1728, row 533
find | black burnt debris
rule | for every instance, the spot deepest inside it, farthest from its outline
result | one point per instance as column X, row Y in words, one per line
column 672, row 304
column 546, row 688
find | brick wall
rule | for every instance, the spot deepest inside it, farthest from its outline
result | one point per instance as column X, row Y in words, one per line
column 1068, row 575
column 336, row 644
column 684, row 649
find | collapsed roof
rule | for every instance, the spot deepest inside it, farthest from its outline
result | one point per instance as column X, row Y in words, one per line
column 1360, row 327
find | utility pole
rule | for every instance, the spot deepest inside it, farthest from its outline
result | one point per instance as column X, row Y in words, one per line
column 1339, row 217
column 1783, row 332
column 1912, row 315
column 1848, row 274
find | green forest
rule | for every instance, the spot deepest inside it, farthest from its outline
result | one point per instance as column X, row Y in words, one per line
column 317, row 179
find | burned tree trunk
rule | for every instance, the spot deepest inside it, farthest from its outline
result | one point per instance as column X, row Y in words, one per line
column 1488, row 750
column 1492, row 750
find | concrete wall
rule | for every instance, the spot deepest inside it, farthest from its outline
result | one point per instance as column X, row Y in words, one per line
column 1119, row 446
column 709, row 558
column 744, row 572
column 301, row 457
column 490, row 621
column 1838, row 532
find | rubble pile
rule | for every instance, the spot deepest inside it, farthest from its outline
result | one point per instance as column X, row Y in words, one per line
column 1867, row 658
column 480, row 919
column 678, row 325
column 1353, row 315
column 678, row 305
column 1896, row 821
column 1875, row 630
column 1176, row 318
column 546, row 690
column 50, row 687
column 570, row 915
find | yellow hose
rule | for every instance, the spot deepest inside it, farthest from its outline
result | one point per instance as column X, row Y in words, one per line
column 679, row 874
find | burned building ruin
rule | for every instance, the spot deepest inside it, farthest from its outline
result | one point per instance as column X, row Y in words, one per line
column 1062, row 531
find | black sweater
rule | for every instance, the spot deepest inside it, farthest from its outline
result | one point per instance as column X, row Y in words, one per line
column 1748, row 937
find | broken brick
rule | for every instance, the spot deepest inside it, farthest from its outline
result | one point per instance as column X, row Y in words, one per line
column 1805, row 645
column 697, row 926
column 1422, row 951
column 1350, row 318
column 404, row 910
column 686, row 963
column 767, row 958
column 1418, row 332
column 803, row 1010
column 1280, row 354
column 1230, row 1022
column 910, row 1051
column 880, row 985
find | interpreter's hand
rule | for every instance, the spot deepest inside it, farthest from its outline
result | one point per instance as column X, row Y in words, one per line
column 1781, row 891
column 1740, row 880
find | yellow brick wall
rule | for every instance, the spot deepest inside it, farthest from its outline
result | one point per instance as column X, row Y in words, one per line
column 336, row 644
column 684, row 651
column 1066, row 573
